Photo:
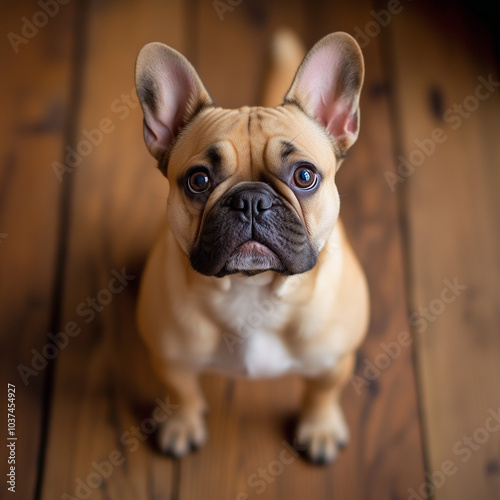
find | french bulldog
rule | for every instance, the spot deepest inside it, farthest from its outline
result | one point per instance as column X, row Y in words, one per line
column 253, row 224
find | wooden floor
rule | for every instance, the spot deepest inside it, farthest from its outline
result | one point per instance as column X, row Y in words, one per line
column 419, row 200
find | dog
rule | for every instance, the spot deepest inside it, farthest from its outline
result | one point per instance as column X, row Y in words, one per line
column 252, row 218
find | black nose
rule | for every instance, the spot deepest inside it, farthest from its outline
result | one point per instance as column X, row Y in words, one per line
column 251, row 202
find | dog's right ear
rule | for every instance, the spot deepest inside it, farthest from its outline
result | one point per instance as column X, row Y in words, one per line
column 170, row 92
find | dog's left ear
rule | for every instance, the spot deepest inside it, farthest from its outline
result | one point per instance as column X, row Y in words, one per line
column 327, row 86
column 170, row 92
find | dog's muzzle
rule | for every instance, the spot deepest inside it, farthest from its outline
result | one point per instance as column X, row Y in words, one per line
column 251, row 230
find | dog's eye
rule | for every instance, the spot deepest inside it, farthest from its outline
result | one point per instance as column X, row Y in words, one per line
column 198, row 182
column 304, row 178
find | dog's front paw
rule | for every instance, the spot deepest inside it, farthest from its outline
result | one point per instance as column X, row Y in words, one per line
column 181, row 433
column 321, row 436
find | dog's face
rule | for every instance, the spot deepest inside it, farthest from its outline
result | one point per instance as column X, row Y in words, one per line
column 252, row 189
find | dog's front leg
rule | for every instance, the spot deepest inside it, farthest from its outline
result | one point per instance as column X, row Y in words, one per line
column 322, row 430
column 185, row 429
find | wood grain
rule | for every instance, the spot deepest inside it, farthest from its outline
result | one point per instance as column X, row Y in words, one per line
column 117, row 204
column 118, row 200
column 35, row 94
column 453, row 219
column 249, row 420
column 444, row 215
column 232, row 54
column 386, row 413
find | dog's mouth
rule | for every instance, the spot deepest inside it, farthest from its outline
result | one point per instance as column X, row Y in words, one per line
column 251, row 258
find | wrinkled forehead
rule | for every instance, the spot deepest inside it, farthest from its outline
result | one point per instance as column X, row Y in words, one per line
column 252, row 138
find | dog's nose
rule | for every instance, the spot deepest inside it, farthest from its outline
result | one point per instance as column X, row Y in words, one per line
column 252, row 202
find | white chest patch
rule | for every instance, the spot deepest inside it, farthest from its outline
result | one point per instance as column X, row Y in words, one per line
column 260, row 355
column 251, row 347
column 264, row 355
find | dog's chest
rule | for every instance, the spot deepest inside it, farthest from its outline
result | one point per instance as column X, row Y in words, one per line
column 254, row 343
column 250, row 344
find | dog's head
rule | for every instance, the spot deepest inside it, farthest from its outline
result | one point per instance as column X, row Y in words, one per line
column 252, row 189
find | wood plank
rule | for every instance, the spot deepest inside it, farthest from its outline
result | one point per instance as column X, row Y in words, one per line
column 91, row 411
column 384, row 417
column 35, row 86
column 248, row 421
column 453, row 216
column 232, row 54
column 118, row 201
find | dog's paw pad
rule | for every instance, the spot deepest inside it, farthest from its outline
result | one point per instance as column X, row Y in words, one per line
column 182, row 433
column 322, row 437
